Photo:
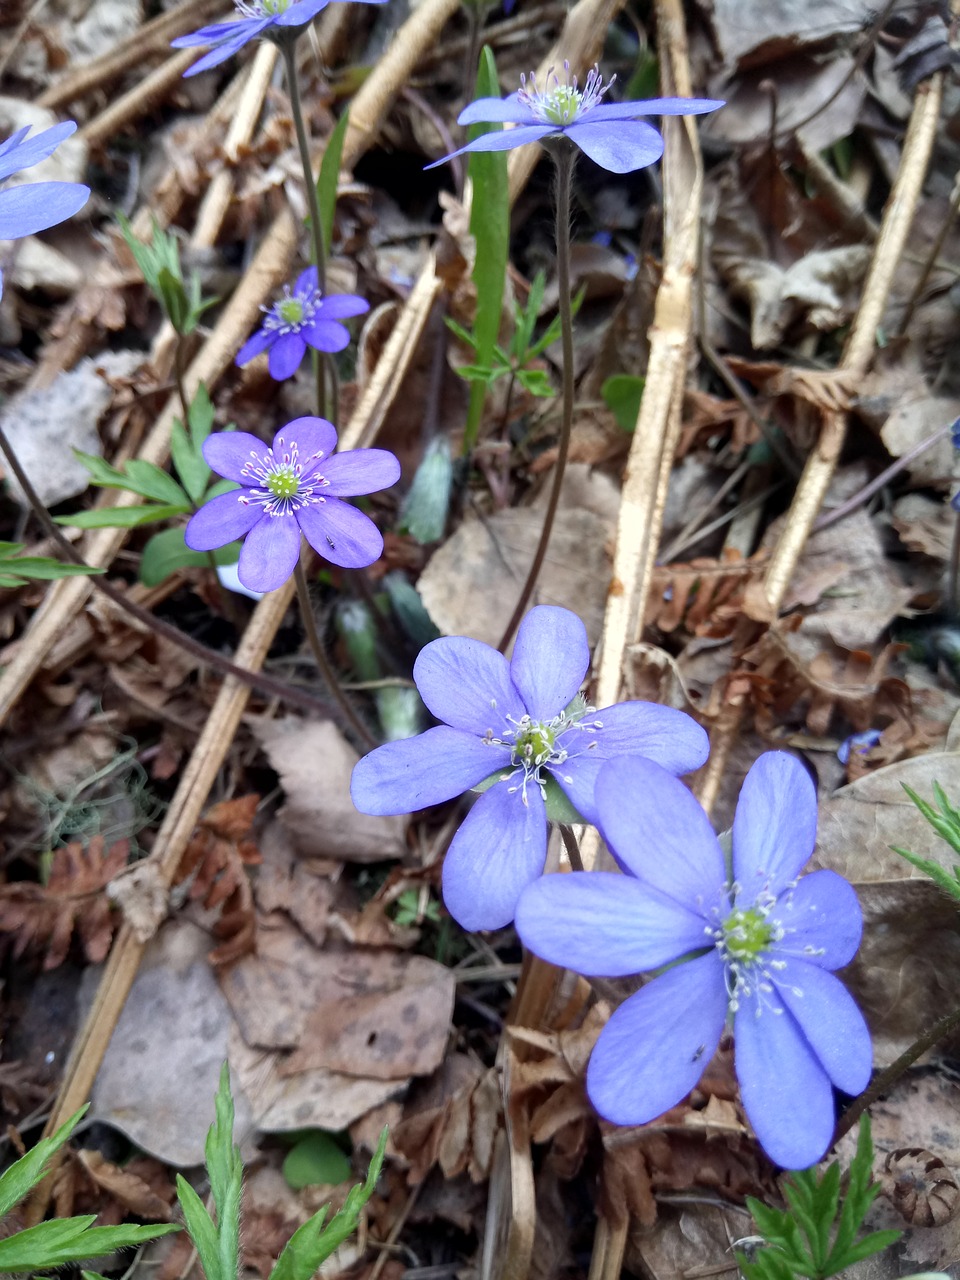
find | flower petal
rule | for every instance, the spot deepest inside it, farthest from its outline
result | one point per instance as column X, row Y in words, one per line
column 270, row 553
column 359, row 471
column 550, row 658
column 668, row 737
column 775, row 825
column 307, row 282
column 341, row 306
column 828, row 1016
column 39, row 205
column 225, row 49
column 315, row 438
column 786, row 1093
column 499, row 850
column 822, row 918
column 340, row 533
column 255, row 345
column 221, row 520
column 326, row 335
column 286, row 356
column 302, row 12
column 604, row 924
column 466, row 684
column 17, row 154
column 651, row 107
column 229, row 452
column 509, row 110
column 404, row 776
column 618, row 146
column 212, row 34
column 504, row 140
column 658, row 831
column 655, row 1047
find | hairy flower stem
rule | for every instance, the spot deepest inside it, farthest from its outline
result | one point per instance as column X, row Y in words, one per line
column 289, row 51
column 885, row 1081
column 564, row 155
column 323, row 662
column 272, row 687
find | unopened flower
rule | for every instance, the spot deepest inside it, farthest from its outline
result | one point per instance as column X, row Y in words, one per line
column 302, row 317
column 33, row 207
column 758, row 946
column 610, row 133
column 521, row 724
column 254, row 18
column 295, row 486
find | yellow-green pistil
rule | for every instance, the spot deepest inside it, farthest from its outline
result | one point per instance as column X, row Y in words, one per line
column 747, row 934
column 536, row 745
column 281, row 483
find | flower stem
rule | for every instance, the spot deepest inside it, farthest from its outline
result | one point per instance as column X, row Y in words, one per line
column 571, row 846
column 888, row 1078
column 289, row 50
column 319, row 653
column 564, row 156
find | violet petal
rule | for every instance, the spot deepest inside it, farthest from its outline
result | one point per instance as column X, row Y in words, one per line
column 270, row 553
column 404, row 776
column 340, row 533
column 550, row 658
column 221, row 520
column 775, row 826
column 467, row 684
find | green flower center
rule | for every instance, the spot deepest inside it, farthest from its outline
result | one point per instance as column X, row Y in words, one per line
column 275, row 7
column 562, row 105
column 282, row 483
column 290, row 310
column 535, row 743
column 747, row 934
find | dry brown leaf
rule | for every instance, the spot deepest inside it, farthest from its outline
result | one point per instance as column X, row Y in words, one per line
column 133, row 1192
column 46, row 917
column 215, row 859
column 452, row 1121
column 705, row 596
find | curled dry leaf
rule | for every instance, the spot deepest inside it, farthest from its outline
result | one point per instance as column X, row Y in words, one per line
column 133, row 1192
column 705, row 596
column 452, row 1121
column 73, row 901
column 216, row 858
column 920, row 1187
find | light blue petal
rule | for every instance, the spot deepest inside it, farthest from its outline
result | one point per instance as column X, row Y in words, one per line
column 228, row 453
column 509, row 110
column 775, row 825
column 499, row 850
column 828, row 1016
column 604, row 924
column 658, row 831
column 656, row 1046
column 550, row 658
column 315, row 439
column 404, row 776
column 466, row 684
column 822, row 919
column 359, row 471
column 16, row 154
column 26, row 210
column 651, row 107
column 270, row 553
column 254, row 346
column 221, row 520
column 341, row 306
column 286, row 356
column 505, row 140
column 668, row 737
column 786, row 1092
column 620, row 146
column 341, row 534
column 326, row 335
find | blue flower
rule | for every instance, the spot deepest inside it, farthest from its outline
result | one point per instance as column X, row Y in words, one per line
column 861, row 743
column 521, row 724
column 758, row 945
column 610, row 133
column 26, row 209
column 254, row 18
column 300, row 318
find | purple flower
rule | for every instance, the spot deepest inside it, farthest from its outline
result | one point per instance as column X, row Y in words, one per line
column 26, row 209
column 758, row 945
column 295, row 486
column 254, row 18
column 301, row 317
column 522, row 724
column 609, row 132
column 861, row 743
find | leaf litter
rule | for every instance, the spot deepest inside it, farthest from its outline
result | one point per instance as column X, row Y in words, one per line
column 306, row 942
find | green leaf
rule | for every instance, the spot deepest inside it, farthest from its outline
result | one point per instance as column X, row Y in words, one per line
column 201, row 1229
column 329, row 176
column 559, row 808
column 459, row 331
column 424, row 511
column 949, row 883
column 16, row 570
column 24, row 1174
column 525, row 319
column 166, row 552
column 186, row 447
column 536, row 381
column 490, row 226
column 63, row 1240
column 225, row 1168
column 140, row 477
column 622, row 394
column 312, row 1243
column 120, row 517
column 479, row 373
column 314, row 1160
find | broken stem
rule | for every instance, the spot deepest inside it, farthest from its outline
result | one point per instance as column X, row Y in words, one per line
column 564, row 156
column 323, row 662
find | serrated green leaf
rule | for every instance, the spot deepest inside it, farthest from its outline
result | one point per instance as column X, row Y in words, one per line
column 24, row 1174
column 536, row 381
column 120, row 517
column 314, row 1160
column 202, row 1231
column 479, row 373
column 329, row 176
column 949, row 884
column 460, row 332
column 864, row 1248
column 225, row 1169
column 64, row 1240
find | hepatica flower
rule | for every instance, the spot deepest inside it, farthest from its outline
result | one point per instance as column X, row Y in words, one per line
column 296, row 485
column 520, row 724
column 302, row 318
column 610, row 133
column 758, row 948
column 254, row 18
column 33, row 207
